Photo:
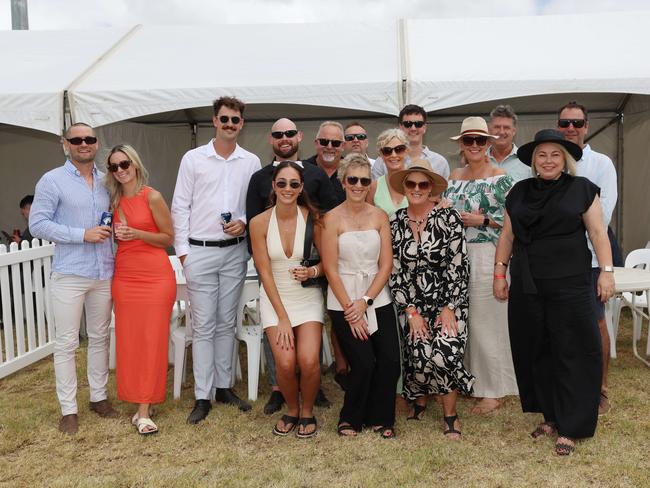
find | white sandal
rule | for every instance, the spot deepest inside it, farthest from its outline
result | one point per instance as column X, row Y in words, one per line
column 134, row 419
column 146, row 426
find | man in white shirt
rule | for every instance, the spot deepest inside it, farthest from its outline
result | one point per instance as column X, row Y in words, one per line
column 356, row 140
column 599, row 169
column 503, row 151
column 412, row 120
column 209, row 214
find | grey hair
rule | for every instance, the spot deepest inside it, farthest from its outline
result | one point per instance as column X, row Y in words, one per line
column 504, row 111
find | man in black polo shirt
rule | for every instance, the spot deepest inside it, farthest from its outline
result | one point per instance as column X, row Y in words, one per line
column 285, row 139
column 329, row 150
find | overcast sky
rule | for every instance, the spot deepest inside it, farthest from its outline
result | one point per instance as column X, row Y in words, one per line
column 83, row 14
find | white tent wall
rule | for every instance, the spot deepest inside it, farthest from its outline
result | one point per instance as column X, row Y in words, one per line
column 25, row 154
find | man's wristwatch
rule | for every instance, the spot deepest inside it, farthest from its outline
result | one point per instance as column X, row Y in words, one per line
column 369, row 301
column 607, row 269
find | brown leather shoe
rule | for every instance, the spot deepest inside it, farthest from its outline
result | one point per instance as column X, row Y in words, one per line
column 104, row 409
column 69, row 424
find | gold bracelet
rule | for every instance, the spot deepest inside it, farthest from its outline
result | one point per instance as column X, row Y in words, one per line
column 315, row 271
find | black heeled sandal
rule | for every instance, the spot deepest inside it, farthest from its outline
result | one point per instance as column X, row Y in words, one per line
column 450, row 425
column 418, row 410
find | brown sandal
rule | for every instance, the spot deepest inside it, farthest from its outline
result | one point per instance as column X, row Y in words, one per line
column 545, row 428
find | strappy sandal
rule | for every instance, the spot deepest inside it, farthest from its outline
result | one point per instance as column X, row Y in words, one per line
column 385, row 432
column 564, row 448
column 342, row 428
column 418, row 410
column 305, row 422
column 146, row 426
column 604, row 406
column 287, row 420
column 542, row 431
column 450, row 426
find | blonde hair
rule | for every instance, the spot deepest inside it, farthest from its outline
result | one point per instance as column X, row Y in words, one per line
column 352, row 160
column 113, row 186
column 389, row 134
column 569, row 161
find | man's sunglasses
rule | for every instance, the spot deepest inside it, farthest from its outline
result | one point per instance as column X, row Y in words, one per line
column 353, row 180
column 76, row 141
column 224, row 119
column 358, row 137
column 410, row 123
column 295, row 184
column 326, row 142
column 420, row 185
column 470, row 140
column 387, row 151
column 279, row 134
column 113, row 167
column 577, row 123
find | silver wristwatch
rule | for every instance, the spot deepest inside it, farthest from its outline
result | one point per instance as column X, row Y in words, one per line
column 607, row 269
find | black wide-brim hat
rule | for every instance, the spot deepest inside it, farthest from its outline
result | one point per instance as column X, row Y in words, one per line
column 525, row 152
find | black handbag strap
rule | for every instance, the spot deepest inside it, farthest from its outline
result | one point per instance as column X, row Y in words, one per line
column 309, row 237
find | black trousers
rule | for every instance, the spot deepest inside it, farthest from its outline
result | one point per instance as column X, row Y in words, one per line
column 375, row 369
column 556, row 350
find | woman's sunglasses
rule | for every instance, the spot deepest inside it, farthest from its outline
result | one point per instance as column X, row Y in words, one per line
column 420, row 185
column 470, row 140
column 113, row 167
column 353, row 180
column 295, row 184
column 387, row 151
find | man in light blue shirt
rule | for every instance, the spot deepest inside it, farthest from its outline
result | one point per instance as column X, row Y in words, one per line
column 68, row 205
column 503, row 152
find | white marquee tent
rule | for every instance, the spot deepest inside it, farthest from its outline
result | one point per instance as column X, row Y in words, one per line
column 153, row 87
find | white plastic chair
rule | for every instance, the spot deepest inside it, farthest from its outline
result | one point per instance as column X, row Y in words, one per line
column 181, row 337
column 251, row 334
column 638, row 303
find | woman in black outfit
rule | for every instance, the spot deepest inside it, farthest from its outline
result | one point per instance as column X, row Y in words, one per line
column 551, row 313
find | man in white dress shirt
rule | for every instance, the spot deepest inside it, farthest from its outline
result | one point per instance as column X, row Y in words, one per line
column 209, row 214
column 599, row 169
column 412, row 120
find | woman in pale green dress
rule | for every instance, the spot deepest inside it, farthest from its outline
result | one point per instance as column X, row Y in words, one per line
column 478, row 191
column 392, row 145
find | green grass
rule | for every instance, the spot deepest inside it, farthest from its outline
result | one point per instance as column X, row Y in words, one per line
column 235, row 449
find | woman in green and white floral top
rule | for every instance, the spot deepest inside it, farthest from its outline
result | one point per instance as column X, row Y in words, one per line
column 478, row 191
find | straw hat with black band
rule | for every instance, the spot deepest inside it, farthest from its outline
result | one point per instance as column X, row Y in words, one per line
column 396, row 180
column 474, row 126
column 525, row 152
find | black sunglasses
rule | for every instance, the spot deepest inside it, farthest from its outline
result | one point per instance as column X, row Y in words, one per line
column 410, row 123
column 76, row 141
column 279, row 134
column 353, row 180
column 326, row 142
column 420, row 185
column 113, row 167
column 470, row 140
column 358, row 137
column 577, row 123
column 295, row 184
column 387, row 151
column 224, row 119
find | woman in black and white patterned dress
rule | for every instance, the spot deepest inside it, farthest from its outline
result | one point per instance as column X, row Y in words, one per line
column 429, row 285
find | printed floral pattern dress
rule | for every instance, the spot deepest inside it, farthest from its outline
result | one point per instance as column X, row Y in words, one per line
column 428, row 276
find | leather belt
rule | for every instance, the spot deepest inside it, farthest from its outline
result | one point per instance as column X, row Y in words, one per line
column 224, row 243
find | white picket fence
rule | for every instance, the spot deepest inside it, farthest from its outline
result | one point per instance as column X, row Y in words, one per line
column 26, row 335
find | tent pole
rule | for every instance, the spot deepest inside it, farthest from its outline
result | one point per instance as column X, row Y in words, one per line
column 620, row 167
column 66, row 111
column 402, row 54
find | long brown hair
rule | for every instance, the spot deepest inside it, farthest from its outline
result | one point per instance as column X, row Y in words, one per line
column 303, row 197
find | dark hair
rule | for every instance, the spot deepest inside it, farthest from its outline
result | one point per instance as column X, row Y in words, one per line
column 573, row 104
column 303, row 198
column 77, row 124
column 412, row 110
column 354, row 123
column 27, row 200
column 230, row 102
column 505, row 111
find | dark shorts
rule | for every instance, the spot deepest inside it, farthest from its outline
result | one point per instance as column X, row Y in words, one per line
column 600, row 306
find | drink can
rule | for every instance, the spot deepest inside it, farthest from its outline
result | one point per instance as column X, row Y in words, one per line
column 107, row 219
column 226, row 217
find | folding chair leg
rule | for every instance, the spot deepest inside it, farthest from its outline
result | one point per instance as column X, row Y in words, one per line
column 180, row 359
column 111, row 351
column 327, row 351
column 254, row 353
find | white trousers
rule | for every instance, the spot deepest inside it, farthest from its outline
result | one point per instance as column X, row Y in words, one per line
column 215, row 276
column 69, row 295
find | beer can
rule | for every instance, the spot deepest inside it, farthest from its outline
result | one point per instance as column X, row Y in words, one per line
column 107, row 219
column 226, row 217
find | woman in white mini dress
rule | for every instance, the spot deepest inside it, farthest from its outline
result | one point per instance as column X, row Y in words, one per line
column 292, row 315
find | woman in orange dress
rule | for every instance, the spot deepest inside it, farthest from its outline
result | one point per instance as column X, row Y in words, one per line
column 144, row 286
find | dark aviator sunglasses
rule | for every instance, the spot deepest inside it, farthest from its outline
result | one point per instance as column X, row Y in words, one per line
column 577, row 123
column 353, row 180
